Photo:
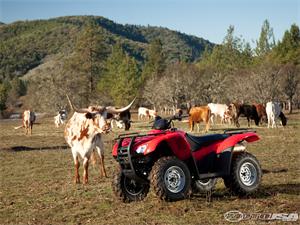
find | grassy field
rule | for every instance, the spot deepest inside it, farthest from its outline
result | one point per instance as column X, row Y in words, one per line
column 36, row 182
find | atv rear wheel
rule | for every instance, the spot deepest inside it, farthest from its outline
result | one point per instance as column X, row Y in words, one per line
column 204, row 185
column 171, row 179
column 245, row 176
column 128, row 190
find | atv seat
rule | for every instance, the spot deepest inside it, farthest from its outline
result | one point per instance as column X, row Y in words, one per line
column 196, row 142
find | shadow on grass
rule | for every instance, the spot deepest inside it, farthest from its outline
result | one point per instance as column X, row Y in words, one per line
column 272, row 190
column 264, row 192
column 25, row 148
column 283, row 170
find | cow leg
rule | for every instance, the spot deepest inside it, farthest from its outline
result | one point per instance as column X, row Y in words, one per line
column 274, row 123
column 85, row 170
column 212, row 119
column 191, row 123
column 237, row 124
column 248, row 119
column 77, row 165
column 207, row 127
column 101, row 155
column 198, row 127
column 102, row 167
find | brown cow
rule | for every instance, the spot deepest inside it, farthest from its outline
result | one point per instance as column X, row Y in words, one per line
column 261, row 112
column 198, row 114
column 249, row 111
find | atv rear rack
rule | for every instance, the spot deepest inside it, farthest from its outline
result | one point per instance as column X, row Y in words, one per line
column 238, row 131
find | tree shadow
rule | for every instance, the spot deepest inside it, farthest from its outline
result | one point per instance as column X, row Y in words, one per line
column 283, row 170
column 26, row 148
column 264, row 192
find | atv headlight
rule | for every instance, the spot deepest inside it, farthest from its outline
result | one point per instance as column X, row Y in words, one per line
column 141, row 149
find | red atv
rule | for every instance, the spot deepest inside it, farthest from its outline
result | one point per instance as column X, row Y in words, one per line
column 173, row 161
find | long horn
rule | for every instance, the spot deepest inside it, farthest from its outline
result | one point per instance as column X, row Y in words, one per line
column 74, row 108
column 70, row 103
column 113, row 110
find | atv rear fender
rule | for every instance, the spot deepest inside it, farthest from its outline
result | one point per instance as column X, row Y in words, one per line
column 236, row 138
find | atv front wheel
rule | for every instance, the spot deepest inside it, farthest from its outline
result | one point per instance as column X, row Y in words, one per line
column 128, row 190
column 245, row 176
column 171, row 179
column 204, row 185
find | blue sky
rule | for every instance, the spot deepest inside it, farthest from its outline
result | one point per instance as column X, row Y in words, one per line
column 209, row 19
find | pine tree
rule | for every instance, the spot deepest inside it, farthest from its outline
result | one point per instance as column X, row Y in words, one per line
column 266, row 40
column 88, row 60
column 288, row 50
column 121, row 79
column 155, row 63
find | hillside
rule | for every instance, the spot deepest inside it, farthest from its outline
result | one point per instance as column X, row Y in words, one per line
column 25, row 44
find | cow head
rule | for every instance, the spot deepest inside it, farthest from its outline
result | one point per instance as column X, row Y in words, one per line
column 283, row 119
column 100, row 116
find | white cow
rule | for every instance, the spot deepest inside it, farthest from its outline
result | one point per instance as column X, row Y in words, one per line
column 218, row 110
column 152, row 113
column 143, row 112
column 274, row 111
column 28, row 120
column 83, row 133
column 60, row 118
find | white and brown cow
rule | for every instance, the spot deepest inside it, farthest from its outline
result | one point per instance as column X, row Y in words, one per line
column 28, row 120
column 83, row 133
column 218, row 110
column 143, row 112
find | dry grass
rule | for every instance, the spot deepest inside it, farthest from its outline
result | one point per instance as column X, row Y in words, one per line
column 37, row 187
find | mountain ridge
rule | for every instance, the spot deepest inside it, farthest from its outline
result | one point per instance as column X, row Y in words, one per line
column 24, row 44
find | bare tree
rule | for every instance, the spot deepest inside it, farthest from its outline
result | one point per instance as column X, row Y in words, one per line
column 291, row 80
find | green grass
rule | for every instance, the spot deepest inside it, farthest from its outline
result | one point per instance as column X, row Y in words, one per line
column 36, row 182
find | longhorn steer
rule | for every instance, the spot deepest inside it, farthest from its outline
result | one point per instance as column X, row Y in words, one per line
column 83, row 134
column 122, row 118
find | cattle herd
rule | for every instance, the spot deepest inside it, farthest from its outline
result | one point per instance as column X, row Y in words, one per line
column 84, row 129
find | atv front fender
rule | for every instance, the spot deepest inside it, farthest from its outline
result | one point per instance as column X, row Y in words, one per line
column 176, row 142
column 234, row 139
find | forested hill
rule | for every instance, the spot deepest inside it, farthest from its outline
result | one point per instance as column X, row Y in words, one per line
column 25, row 44
column 97, row 61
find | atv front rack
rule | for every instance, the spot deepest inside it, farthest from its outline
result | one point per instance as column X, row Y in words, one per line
column 125, row 154
column 135, row 134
